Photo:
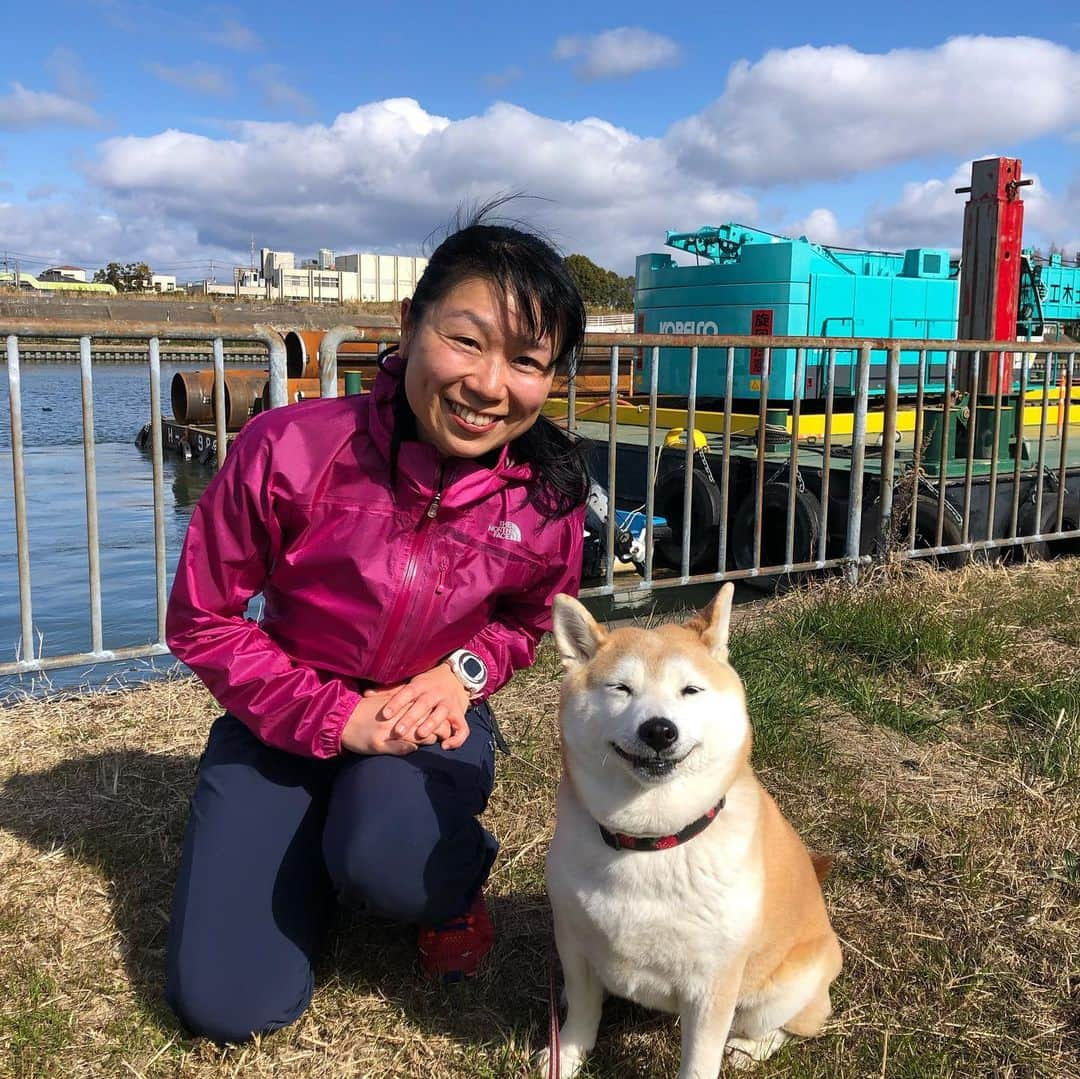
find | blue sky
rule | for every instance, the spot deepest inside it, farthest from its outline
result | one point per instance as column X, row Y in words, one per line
column 174, row 133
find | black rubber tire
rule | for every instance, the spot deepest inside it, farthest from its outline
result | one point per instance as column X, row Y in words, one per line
column 774, row 533
column 704, row 520
column 1070, row 520
column 926, row 515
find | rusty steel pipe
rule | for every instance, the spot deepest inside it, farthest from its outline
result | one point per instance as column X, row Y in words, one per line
column 192, row 394
column 300, row 389
column 302, row 351
column 243, row 397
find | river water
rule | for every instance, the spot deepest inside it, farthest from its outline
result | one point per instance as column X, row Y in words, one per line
column 56, row 510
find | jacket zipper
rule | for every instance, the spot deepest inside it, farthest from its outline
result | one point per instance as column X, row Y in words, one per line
column 418, row 547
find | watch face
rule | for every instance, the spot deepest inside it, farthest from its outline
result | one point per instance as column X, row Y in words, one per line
column 473, row 668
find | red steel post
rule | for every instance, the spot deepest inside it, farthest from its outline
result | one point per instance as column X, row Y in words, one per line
column 990, row 268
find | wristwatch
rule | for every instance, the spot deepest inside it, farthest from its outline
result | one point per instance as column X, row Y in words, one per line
column 470, row 668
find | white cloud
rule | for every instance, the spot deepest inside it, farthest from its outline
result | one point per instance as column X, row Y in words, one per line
column 617, row 53
column 202, row 78
column 42, row 191
column 1054, row 218
column 71, row 80
column 930, row 213
column 24, row 110
column 822, row 227
column 279, row 94
column 499, row 80
column 217, row 26
column 232, row 34
column 821, row 113
column 388, row 173
column 63, row 231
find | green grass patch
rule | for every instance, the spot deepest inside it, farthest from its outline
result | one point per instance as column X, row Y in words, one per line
column 892, row 631
column 872, row 696
column 780, row 699
column 1048, row 721
column 1033, row 597
column 33, row 1028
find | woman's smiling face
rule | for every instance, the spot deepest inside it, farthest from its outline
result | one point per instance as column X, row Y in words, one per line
column 475, row 379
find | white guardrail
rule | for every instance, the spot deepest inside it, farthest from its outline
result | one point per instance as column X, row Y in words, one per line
column 762, row 488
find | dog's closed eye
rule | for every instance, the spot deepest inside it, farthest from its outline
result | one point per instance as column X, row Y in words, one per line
column 689, row 691
column 620, row 687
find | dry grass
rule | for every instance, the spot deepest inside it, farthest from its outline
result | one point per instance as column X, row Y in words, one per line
column 955, row 822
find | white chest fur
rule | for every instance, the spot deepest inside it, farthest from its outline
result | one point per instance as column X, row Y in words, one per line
column 656, row 926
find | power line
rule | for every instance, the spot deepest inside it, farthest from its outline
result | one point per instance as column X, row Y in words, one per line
column 189, row 267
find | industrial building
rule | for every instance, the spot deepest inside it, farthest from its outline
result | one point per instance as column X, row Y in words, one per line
column 63, row 273
column 360, row 276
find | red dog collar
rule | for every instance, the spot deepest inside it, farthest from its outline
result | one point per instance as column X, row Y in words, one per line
column 621, row 841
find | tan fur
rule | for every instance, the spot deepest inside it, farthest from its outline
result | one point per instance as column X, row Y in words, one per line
column 728, row 929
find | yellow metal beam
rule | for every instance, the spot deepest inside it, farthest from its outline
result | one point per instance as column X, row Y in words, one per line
column 810, row 426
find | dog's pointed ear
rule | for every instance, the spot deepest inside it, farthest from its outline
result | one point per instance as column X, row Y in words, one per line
column 577, row 633
column 714, row 623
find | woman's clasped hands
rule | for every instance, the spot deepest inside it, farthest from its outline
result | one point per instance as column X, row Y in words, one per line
column 397, row 720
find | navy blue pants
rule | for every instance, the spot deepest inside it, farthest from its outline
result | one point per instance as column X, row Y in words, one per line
column 273, row 840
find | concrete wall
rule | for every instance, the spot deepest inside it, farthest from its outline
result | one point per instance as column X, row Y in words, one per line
column 178, row 308
column 383, row 278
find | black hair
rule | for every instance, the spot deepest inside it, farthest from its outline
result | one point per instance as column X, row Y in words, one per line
column 522, row 265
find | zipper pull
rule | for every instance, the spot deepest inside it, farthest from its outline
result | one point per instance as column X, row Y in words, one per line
column 433, row 508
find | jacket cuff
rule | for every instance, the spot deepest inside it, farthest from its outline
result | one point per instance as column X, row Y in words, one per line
column 328, row 738
column 492, row 683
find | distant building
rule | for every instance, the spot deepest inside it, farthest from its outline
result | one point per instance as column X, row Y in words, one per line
column 245, row 282
column 271, row 261
column 63, row 273
column 162, row 282
column 383, row 278
column 219, row 288
column 346, row 278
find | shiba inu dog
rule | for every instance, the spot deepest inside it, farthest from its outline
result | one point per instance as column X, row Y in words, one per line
column 674, row 879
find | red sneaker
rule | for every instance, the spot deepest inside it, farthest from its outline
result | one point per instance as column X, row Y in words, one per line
column 455, row 949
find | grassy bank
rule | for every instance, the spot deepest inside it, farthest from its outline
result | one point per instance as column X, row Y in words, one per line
column 925, row 729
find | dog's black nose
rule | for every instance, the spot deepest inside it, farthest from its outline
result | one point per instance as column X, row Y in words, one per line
column 658, row 733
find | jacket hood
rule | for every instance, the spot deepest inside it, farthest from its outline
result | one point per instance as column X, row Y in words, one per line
column 465, row 480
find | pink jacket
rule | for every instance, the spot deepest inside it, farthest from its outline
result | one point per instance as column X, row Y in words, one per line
column 363, row 583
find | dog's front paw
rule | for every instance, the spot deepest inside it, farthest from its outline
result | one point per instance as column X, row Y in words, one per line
column 542, row 1063
column 570, row 1062
column 739, row 1055
column 742, row 1054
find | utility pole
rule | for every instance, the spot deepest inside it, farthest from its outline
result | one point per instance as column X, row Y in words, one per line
column 213, row 279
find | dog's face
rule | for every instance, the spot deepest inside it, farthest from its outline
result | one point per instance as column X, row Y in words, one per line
column 657, row 706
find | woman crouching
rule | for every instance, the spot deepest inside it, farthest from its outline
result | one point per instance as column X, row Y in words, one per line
column 407, row 544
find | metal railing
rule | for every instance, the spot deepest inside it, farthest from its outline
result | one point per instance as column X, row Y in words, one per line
column 938, row 496
column 84, row 333
column 783, row 487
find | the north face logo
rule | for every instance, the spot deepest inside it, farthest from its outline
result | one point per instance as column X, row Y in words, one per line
column 506, row 530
